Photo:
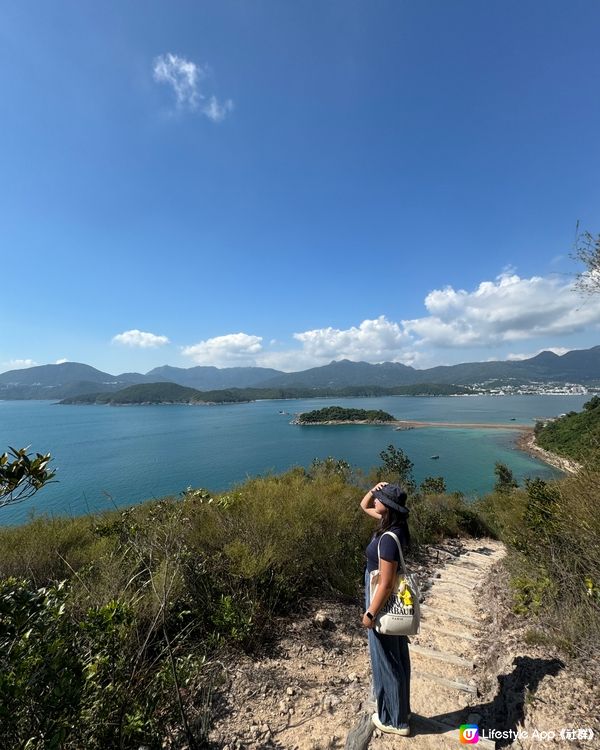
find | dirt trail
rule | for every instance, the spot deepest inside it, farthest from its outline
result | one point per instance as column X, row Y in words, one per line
column 471, row 663
column 312, row 689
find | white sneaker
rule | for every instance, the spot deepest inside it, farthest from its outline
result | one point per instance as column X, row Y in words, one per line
column 403, row 729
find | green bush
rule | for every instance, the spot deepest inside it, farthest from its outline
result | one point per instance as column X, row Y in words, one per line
column 41, row 677
column 552, row 530
column 46, row 550
column 435, row 516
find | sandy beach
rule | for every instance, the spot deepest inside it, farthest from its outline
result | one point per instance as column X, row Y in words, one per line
column 405, row 424
column 409, row 425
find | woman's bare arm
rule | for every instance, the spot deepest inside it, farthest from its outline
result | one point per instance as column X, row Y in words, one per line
column 387, row 577
column 367, row 502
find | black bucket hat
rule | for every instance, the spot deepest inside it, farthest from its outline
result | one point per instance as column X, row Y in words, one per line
column 393, row 496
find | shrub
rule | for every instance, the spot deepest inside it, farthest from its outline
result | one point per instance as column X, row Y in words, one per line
column 41, row 676
column 434, row 516
column 552, row 530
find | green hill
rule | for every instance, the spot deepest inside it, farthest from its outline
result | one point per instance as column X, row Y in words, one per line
column 576, row 435
column 145, row 393
column 158, row 393
column 339, row 414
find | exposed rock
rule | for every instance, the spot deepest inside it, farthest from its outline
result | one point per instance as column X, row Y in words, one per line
column 323, row 620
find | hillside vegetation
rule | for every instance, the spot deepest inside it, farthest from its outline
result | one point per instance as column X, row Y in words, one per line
column 552, row 531
column 145, row 393
column 575, row 435
column 113, row 627
column 171, row 393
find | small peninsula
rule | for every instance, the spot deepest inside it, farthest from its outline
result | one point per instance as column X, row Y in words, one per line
column 575, row 435
column 339, row 415
column 569, row 441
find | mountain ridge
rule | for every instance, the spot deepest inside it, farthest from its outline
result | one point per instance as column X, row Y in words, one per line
column 70, row 379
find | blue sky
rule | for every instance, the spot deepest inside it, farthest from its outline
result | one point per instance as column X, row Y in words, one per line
column 283, row 183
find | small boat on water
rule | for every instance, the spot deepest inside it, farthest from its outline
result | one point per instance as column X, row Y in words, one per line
column 434, row 457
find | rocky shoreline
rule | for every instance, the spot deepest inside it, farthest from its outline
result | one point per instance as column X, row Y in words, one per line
column 297, row 421
column 527, row 443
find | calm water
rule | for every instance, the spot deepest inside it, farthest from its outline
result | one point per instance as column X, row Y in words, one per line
column 139, row 452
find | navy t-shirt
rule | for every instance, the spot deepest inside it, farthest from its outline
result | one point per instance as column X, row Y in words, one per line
column 388, row 548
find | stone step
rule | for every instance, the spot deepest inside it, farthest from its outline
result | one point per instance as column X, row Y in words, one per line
column 429, row 611
column 445, row 656
column 451, row 633
column 444, row 682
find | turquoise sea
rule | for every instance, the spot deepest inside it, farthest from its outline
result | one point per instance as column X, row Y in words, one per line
column 106, row 455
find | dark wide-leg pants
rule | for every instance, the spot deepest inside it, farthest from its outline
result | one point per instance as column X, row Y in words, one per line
column 390, row 665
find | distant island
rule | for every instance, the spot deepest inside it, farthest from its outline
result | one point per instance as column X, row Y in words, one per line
column 339, row 415
column 146, row 393
column 171, row 393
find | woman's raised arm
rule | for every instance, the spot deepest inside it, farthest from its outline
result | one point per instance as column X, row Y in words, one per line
column 368, row 501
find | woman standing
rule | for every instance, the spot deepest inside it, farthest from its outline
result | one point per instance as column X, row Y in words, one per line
column 390, row 661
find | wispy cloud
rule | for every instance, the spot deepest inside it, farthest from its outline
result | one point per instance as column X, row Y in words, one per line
column 216, row 111
column 18, row 364
column 185, row 77
column 182, row 75
column 140, row 339
column 517, row 357
column 61, row 361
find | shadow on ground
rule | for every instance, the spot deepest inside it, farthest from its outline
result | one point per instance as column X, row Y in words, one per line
column 507, row 710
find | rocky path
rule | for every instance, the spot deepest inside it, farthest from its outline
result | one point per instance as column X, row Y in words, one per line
column 313, row 688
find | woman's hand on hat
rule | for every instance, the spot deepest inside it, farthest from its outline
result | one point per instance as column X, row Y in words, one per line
column 379, row 486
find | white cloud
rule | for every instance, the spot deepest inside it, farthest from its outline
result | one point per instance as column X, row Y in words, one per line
column 140, row 339
column 184, row 77
column 226, row 351
column 507, row 309
column 493, row 316
column 216, row 111
column 376, row 340
column 19, row 364
column 517, row 357
column 288, row 360
column 61, row 361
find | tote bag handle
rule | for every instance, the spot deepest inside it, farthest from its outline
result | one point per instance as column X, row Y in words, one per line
column 391, row 533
